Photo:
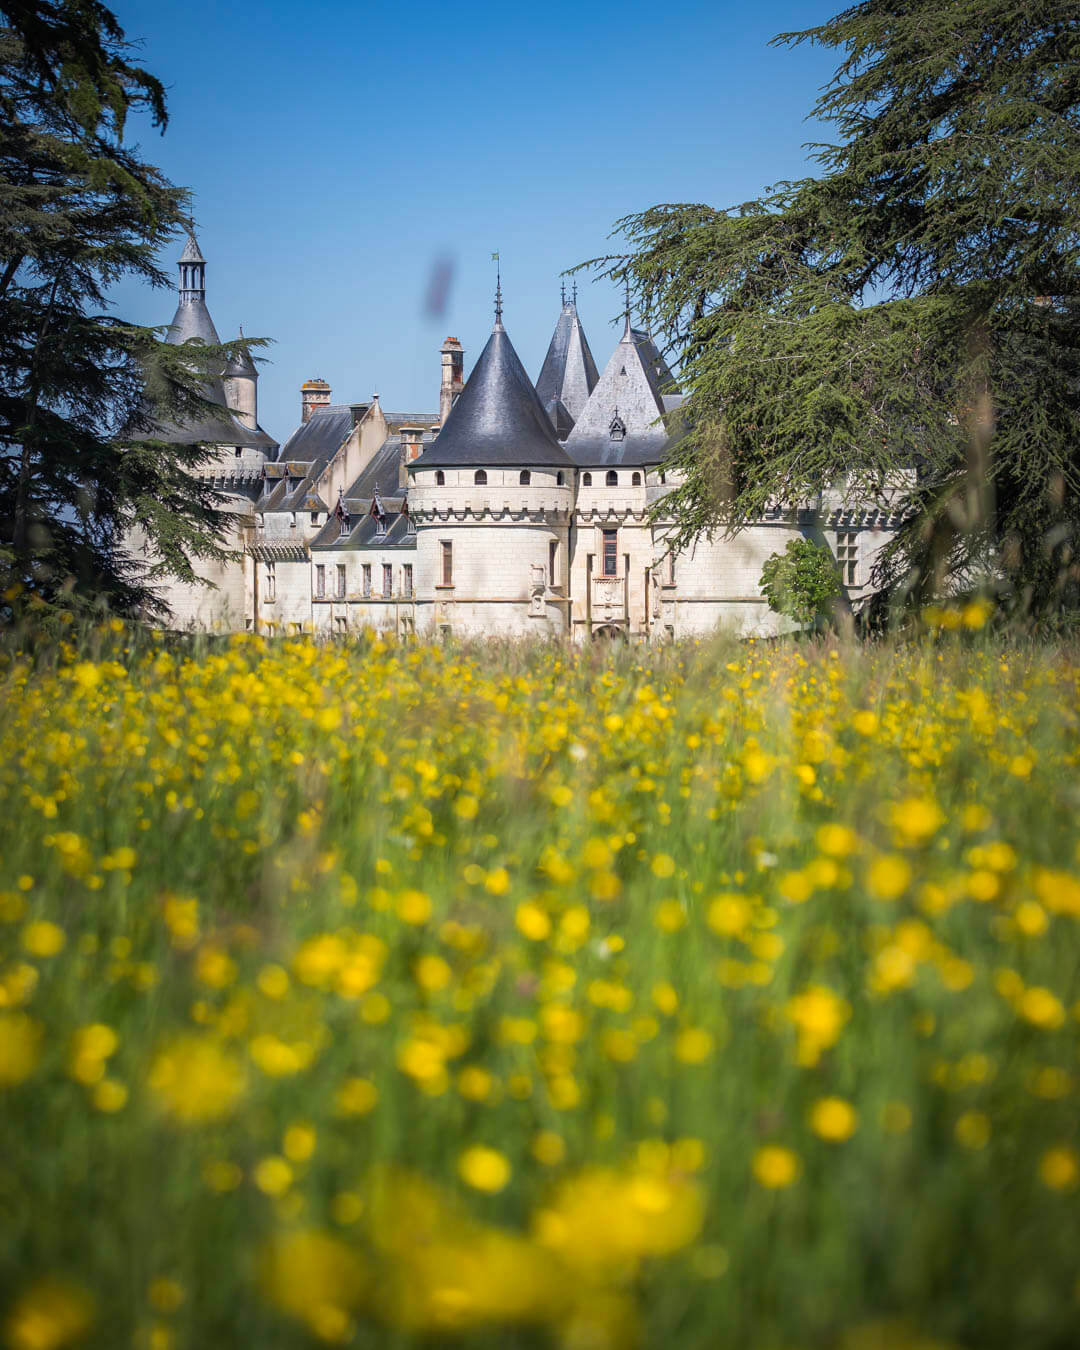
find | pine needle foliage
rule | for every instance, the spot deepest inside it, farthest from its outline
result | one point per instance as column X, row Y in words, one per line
column 81, row 391
column 911, row 315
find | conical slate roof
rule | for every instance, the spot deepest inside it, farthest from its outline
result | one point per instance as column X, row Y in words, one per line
column 569, row 371
column 241, row 363
column 191, row 252
column 620, row 423
column 497, row 418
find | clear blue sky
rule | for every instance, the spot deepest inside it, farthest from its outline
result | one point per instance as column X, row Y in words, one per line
column 336, row 150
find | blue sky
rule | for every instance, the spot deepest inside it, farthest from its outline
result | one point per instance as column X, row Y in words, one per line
column 336, row 150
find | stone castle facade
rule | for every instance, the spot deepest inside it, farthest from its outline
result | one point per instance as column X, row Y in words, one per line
column 515, row 509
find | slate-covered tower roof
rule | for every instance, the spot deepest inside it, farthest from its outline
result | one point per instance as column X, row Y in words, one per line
column 568, row 375
column 497, row 419
column 192, row 323
column 620, row 423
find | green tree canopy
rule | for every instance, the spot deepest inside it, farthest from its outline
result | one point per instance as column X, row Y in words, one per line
column 910, row 316
column 802, row 582
column 79, row 209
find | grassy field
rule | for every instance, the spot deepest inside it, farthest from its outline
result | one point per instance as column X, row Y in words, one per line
column 722, row 995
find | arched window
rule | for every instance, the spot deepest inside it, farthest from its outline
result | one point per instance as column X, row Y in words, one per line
column 480, row 477
column 636, row 480
column 663, row 479
column 525, row 478
column 612, row 479
column 559, row 478
column 586, row 480
column 440, row 478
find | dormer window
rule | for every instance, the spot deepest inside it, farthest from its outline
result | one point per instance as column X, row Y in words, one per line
column 612, row 478
column 480, row 478
column 617, row 428
column 380, row 525
column 586, row 480
column 525, row 478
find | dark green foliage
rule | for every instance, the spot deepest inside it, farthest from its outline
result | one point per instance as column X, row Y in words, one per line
column 914, row 311
column 802, row 582
column 78, row 211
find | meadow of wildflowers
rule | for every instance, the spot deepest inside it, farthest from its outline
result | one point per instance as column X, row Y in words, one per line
column 373, row 995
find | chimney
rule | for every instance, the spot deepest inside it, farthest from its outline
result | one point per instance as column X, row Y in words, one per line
column 313, row 394
column 453, row 376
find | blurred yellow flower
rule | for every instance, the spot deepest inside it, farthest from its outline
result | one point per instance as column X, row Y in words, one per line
column 775, row 1167
column 888, row 877
column 1059, row 1168
column 485, row 1169
column 833, row 1118
column 51, row 1313
column 20, row 1047
column 43, row 938
column 195, row 1080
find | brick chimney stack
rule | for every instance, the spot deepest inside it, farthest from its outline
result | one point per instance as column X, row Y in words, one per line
column 453, row 376
column 313, row 394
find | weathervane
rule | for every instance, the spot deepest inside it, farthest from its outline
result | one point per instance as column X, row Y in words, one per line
column 498, row 288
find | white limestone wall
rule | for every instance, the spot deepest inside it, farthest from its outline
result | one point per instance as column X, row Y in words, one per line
column 360, row 606
column 494, row 587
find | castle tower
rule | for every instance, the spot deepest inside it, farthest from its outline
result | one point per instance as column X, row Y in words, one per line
column 568, row 375
column 313, row 394
column 241, row 380
column 491, row 499
column 192, row 318
column 453, row 376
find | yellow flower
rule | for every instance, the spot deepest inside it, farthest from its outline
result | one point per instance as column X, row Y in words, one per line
column 497, row 881
column 775, row 1167
column 165, row 1295
column 729, row 915
column 795, row 887
column 273, row 1175
column 819, row 1015
column 20, row 1047
column 972, row 1130
column 109, row 1096
column 834, row 1119
column 663, row 865
column 432, row 973
column 215, row 968
column 916, row 819
column 356, row 1097
column 414, row 907
column 43, row 938
column 298, row 1143
column 195, row 1080
column 693, row 1045
column 1041, row 1008
column 1059, row 1168
column 48, row 1315
column 314, row 1277
column 532, row 921
column 548, row 1148
column 888, row 877
column 485, row 1169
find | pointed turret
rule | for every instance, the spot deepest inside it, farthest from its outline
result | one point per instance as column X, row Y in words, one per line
column 568, row 375
column 497, row 419
column 192, row 322
column 241, row 380
column 621, row 422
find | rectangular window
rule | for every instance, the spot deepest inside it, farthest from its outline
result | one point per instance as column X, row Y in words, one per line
column 847, row 555
column 271, row 582
column 611, row 553
column 387, row 580
column 320, row 582
column 366, row 575
column 406, row 581
column 447, row 562
column 671, row 569
column 553, row 558
column 341, row 581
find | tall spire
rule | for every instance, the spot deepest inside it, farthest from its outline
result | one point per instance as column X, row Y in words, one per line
column 192, row 318
column 569, row 373
column 626, row 288
column 562, row 293
column 498, row 290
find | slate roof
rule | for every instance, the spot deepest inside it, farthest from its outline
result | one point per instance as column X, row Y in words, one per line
column 364, row 533
column 635, row 386
column 191, row 253
column 241, row 364
column 569, row 371
column 192, row 320
column 497, row 418
column 318, row 439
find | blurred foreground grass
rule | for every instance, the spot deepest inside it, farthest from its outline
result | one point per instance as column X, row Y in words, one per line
column 719, row 995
